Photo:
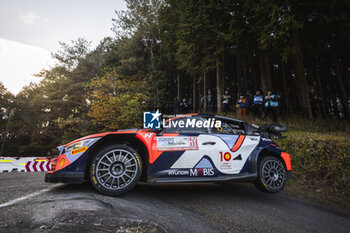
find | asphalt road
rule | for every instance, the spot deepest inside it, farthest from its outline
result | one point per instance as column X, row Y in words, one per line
column 27, row 204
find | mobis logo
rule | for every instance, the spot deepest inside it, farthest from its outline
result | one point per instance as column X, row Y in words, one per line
column 201, row 172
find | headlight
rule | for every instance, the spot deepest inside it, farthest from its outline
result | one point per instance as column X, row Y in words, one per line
column 86, row 142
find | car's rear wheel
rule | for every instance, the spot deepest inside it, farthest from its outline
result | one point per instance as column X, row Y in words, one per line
column 115, row 169
column 271, row 175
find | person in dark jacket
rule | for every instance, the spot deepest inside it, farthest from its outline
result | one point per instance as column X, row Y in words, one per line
column 316, row 106
column 210, row 100
column 190, row 105
column 184, row 106
column 226, row 100
column 176, row 105
column 257, row 103
column 201, row 107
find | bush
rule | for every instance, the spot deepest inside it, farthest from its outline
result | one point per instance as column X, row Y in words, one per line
column 319, row 160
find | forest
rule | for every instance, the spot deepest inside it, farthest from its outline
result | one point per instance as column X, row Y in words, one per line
column 167, row 49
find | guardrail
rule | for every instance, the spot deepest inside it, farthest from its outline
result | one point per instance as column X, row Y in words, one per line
column 24, row 164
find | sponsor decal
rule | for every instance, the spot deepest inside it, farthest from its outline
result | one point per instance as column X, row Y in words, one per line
column 79, row 150
column 177, row 143
column 151, row 120
column 225, row 161
column 178, row 172
column 188, row 122
column 94, row 179
column 192, row 172
column 138, row 160
column 202, row 172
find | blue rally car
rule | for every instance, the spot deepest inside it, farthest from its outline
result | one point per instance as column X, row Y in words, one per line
column 189, row 148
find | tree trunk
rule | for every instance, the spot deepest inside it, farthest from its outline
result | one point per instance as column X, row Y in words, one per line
column 262, row 75
column 285, row 88
column 301, row 80
column 179, row 93
column 218, row 85
column 347, row 78
column 333, row 90
column 244, row 80
column 205, row 91
column 320, row 91
column 268, row 71
column 194, row 95
column 239, row 74
column 256, row 86
column 343, row 96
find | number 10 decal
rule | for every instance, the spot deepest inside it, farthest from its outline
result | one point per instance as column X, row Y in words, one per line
column 225, row 162
column 226, row 156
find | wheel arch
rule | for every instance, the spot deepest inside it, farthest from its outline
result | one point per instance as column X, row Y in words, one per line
column 125, row 139
column 268, row 152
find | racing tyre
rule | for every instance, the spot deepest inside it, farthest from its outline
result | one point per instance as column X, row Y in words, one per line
column 115, row 169
column 271, row 175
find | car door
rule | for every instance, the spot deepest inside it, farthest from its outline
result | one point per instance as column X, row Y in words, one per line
column 232, row 157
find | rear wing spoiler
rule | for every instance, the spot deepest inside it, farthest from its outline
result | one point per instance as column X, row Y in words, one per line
column 274, row 130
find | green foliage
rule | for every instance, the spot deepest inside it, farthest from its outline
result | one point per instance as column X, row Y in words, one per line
column 319, row 161
column 116, row 102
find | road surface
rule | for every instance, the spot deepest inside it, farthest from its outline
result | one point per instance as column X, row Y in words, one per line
column 27, row 204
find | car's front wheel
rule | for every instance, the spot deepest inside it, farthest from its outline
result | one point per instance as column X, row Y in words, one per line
column 115, row 169
column 271, row 175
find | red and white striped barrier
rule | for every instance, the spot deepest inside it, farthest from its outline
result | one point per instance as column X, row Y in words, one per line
column 38, row 166
column 24, row 164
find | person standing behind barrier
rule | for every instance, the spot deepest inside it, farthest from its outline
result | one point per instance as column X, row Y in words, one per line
column 190, row 105
column 210, row 100
column 242, row 106
column 201, row 106
column 257, row 104
column 226, row 99
column 176, row 105
column 271, row 104
column 184, row 106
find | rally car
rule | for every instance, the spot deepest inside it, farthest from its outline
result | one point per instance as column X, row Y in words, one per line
column 189, row 149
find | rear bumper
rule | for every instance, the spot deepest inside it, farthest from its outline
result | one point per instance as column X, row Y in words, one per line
column 65, row 177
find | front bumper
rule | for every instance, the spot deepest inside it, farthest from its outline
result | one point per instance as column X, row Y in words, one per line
column 65, row 177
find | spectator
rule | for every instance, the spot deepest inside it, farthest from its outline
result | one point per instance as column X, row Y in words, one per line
column 226, row 99
column 190, row 105
column 258, row 104
column 184, row 106
column 271, row 104
column 242, row 104
column 201, row 107
column 210, row 100
column 315, row 106
column 176, row 105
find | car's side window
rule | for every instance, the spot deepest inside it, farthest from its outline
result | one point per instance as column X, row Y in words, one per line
column 230, row 127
